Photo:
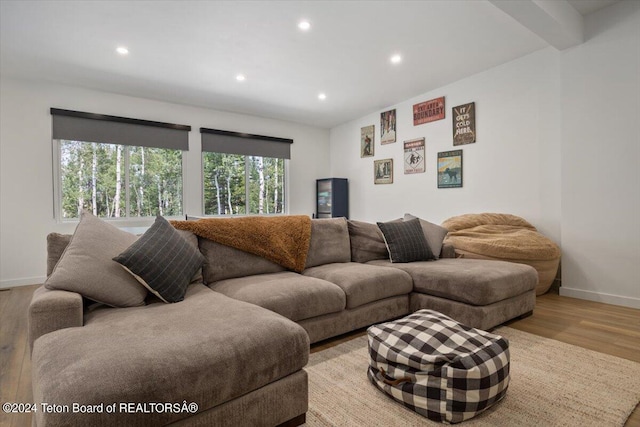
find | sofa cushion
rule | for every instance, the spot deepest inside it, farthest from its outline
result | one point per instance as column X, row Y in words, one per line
column 475, row 282
column 405, row 241
column 363, row 283
column 87, row 267
column 57, row 243
column 367, row 242
column 292, row 295
column 162, row 261
column 224, row 262
column 209, row 349
column 434, row 234
column 329, row 242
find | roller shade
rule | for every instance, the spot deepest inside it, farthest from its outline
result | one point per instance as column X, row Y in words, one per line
column 89, row 127
column 222, row 141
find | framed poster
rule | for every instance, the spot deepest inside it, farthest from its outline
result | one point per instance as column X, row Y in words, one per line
column 428, row 111
column 383, row 171
column 367, row 145
column 414, row 156
column 450, row 169
column 388, row 127
column 464, row 124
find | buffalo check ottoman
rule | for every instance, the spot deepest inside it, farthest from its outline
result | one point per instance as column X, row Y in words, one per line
column 443, row 370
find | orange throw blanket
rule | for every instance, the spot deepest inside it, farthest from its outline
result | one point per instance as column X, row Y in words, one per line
column 281, row 239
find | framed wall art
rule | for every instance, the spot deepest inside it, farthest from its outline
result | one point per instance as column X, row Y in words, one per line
column 367, row 136
column 383, row 171
column 464, row 124
column 414, row 156
column 428, row 111
column 388, row 127
column 450, row 169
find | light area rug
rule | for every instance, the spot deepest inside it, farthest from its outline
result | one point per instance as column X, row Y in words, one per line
column 552, row 384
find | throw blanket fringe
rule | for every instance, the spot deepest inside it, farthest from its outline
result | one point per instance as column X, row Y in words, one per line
column 280, row 239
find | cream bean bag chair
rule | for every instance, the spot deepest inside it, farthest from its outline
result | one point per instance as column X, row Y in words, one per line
column 507, row 238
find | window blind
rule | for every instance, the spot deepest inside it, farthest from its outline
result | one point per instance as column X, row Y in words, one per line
column 90, row 127
column 223, row 141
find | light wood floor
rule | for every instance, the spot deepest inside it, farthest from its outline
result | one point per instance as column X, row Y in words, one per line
column 605, row 328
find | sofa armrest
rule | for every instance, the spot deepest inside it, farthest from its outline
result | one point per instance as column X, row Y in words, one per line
column 448, row 251
column 52, row 310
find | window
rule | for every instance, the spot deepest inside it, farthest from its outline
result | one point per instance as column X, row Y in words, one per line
column 224, row 184
column 117, row 180
column 95, row 176
column 236, row 184
column 243, row 174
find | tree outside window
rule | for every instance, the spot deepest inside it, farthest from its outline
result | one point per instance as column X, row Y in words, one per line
column 119, row 181
column 237, row 184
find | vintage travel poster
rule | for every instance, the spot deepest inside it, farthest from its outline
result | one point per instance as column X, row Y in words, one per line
column 464, row 124
column 367, row 134
column 450, row 169
column 388, row 127
column 414, row 156
column 428, row 111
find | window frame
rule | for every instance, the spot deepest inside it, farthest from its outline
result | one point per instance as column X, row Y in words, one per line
column 249, row 145
column 72, row 125
column 127, row 219
column 247, row 172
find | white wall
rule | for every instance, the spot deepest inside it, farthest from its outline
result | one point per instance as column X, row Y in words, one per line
column 601, row 159
column 558, row 144
column 513, row 167
column 26, row 185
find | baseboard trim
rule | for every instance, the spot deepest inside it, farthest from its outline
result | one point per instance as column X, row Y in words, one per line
column 26, row 281
column 600, row 297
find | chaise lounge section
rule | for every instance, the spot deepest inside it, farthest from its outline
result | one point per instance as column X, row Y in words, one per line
column 234, row 360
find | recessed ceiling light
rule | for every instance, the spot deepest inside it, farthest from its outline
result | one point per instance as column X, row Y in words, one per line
column 122, row 50
column 304, row 25
column 240, row 77
column 322, row 96
column 396, row 59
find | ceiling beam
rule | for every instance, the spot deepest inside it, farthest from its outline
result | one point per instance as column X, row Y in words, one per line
column 555, row 21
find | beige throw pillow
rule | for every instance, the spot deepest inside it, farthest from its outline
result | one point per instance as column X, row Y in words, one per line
column 434, row 234
column 87, row 267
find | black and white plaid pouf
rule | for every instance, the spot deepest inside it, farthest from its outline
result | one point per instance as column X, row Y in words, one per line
column 441, row 369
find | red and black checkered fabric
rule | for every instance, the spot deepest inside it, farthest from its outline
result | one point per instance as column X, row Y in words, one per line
column 441, row 369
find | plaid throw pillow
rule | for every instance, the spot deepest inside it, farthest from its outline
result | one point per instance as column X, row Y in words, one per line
column 405, row 241
column 162, row 260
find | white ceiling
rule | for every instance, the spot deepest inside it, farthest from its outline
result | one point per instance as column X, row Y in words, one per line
column 190, row 51
column 586, row 7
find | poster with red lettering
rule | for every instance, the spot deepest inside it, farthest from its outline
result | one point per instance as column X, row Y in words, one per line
column 428, row 111
column 464, row 124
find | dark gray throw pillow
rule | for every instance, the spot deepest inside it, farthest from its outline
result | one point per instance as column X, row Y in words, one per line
column 405, row 241
column 162, row 260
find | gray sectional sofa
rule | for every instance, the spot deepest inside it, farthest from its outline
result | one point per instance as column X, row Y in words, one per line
column 237, row 344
